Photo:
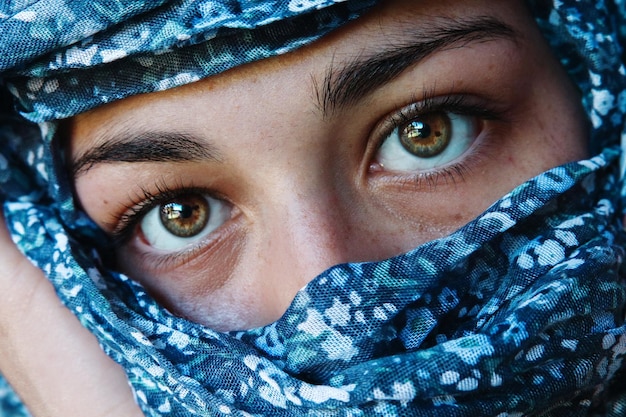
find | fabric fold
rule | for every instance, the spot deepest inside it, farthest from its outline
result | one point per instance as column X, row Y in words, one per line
column 519, row 312
column 456, row 316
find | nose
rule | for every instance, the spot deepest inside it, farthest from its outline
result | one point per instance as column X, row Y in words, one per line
column 304, row 232
column 313, row 232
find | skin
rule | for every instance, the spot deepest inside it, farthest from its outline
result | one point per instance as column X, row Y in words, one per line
column 303, row 182
column 44, row 350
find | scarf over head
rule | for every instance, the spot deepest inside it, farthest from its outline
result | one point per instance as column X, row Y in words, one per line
column 520, row 312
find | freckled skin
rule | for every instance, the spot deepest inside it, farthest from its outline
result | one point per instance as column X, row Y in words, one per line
column 307, row 191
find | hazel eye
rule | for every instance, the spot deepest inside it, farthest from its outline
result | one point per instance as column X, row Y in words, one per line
column 426, row 136
column 427, row 141
column 185, row 217
column 183, row 221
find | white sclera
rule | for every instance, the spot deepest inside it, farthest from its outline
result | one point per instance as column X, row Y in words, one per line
column 159, row 237
column 394, row 157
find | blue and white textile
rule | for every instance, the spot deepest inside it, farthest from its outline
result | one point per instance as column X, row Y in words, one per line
column 518, row 313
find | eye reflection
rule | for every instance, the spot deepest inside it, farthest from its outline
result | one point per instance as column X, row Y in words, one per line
column 185, row 217
column 426, row 136
column 183, row 220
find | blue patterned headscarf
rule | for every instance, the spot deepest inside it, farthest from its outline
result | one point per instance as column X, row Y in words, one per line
column 518, row 313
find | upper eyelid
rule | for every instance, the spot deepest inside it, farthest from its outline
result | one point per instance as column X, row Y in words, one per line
column 453, row 103
column 344, row 85
column 145, row 200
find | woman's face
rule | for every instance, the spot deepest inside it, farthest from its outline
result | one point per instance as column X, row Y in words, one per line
column 228, row 195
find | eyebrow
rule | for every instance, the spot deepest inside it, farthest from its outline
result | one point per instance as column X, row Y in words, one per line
column 341, row 87
column 347, row 85
column 145, row 147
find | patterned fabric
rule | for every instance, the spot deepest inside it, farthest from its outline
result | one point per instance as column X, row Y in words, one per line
column 146, row 45
column 520, row 312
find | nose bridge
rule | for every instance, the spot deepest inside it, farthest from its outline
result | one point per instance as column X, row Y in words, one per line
column 302, row 207
column 311, row 230
column 302, row 217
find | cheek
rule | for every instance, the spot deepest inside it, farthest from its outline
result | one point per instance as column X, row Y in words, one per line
column 412, row 216
column 195, row 284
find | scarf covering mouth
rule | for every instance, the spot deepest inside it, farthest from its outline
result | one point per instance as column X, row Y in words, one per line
column 518, row 313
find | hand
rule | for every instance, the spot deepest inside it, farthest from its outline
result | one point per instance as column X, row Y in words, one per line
column 51, row 360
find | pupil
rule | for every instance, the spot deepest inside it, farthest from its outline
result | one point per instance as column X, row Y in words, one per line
column 186, row 211
column 419, row 129
column 187, row 217
column 427, row 135
column 175, row 211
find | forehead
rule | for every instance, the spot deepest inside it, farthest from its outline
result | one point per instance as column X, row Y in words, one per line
column 393, row 25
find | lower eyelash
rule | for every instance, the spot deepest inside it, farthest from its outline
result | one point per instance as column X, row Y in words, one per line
column 456, row 173
column 167, row 260
column 452, row 103
column 453, row 174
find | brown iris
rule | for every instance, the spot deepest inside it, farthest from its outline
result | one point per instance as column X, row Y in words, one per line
column 426, row 135
column 186, row 216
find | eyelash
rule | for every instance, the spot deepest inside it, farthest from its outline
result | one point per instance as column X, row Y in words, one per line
column 429, row 103
column 144, row 201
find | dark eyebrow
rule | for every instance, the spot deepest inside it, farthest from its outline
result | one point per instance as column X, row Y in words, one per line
column 345, row 86
column 145, row 147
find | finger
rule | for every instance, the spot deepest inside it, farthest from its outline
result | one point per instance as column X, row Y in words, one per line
column 52, row 361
